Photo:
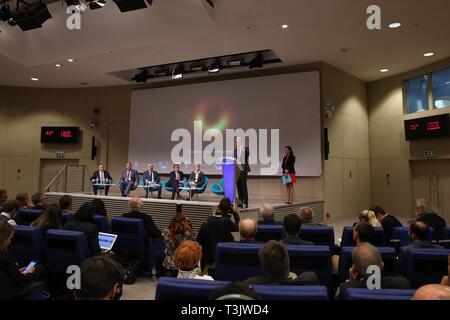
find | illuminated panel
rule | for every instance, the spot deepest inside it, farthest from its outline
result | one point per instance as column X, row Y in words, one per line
column 428, row 127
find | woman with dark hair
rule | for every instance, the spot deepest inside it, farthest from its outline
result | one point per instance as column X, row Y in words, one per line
column 51, row 219
column 24, row 200
column 83, row 221
column 289, row 172
column 100, row 208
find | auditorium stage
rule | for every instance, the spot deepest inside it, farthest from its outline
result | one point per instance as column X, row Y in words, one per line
column 162, row 210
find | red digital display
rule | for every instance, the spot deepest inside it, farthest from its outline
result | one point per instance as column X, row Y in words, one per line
column 428, row 127
column 60, row 134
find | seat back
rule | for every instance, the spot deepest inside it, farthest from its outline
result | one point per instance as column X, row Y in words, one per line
column 270, row 292
column 311, row 258
column 185, row 289
column 347, row 237
column 131, row 241
column 400, row 236
column 426, row 265
column 445, row 237
column 202, row 189
column 27, row 244
column 388, row 255
column 380, row 294
column 66, row 217
column 269, row 232
column 25, row 217
column 102, row 223
column 318, row 235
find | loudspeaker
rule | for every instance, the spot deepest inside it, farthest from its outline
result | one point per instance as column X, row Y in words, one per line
column 93, row 149
column 326, row 143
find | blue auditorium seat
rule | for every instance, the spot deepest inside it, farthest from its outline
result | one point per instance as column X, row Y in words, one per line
column 423, row 266
column 388, row 255
column 445, row 238
column 400, row 236
column 268, row 292
column 268, row 232
column 131, row 240
column 27, row 245
column 218, row 188
column 25, row 217
column 185, row 289
column 381, row 294
column 320, row 235
column 102, row 223
column 66, row 217
column 347, row 237
column 312, row 258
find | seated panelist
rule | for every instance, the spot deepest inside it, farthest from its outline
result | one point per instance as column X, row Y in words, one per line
column 151, row 177
column 129, row 180
column 101, row 176
column 176, row 178
column 197, row 178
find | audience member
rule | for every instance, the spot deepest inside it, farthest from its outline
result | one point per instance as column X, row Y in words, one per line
column 10, row 208
column 369, row 216
column 179, row 229
column 234, row 291
column 274, row 259
column 307, row 217
column 100, row 208
column 50, row 219
column 267, row 215
column 24, row 200
column 365, row 256
column 187, row 260
column 432, row 292
column 3, row 197
column 388, row 222
column 65, row 203
column 363, row 232
column 292, row 224
column 426, row 212
column 247, row 231
column 136, row 207
column 39, row 201
column 101, row 279
column 446, row 279
column 84, row 221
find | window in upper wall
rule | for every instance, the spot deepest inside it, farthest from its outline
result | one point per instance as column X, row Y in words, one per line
column 417, row 94
column 441, row 88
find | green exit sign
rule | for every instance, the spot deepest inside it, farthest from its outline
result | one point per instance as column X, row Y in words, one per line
column 60, row 154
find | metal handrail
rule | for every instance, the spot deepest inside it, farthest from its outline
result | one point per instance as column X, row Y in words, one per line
column 61, row 176
column 47, row 189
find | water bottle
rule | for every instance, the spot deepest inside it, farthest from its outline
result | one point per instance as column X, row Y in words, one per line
column 154, row 272
column 97, row 180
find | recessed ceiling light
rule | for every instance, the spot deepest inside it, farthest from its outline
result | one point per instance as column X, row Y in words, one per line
column 58, row 65
column 34, row 79
column 70, row 60
column 384, row 70
column 428, row 54
column 395, row 25
column 284, row 26
column 249, row 27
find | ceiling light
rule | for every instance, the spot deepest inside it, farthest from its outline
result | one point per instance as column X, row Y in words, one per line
column 196, row 68
column 256, row 62
column 58, row 65
column 214, row 67
column 96, row 4
column 284, row 26
column 33, row 16
column 384, row 70
column 448, row 82
column 395, row 25
column 130, row 5
column 177, row 73
column 428, row 54
column 70, row 60
column 235, row 63
column 34, row 79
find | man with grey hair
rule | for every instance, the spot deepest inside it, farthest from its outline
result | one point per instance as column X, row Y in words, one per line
column 247, row 231
column 365, row 256
column 136, row 207
column 267, row 215
column 426, row 212
column 307, row 216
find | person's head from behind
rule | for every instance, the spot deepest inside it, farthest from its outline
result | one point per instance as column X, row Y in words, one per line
column 128, row 165
column 266, row 211
column 6, row 234
column 225, row 206
column 179, row 224
column 24, row 199
column 188, row 255
column 274, row 259
column 369, row 216
column 101, row 279
column 85, row 213
column 364, row 256
column 424, row 206
column 234, row 291
column 363, row 232
column 65, row 202
column 292, row 224
column 11, row 207
column 136, row 204
column 306, row 214
column 432, row 292
column 379, row 212
column 99, row 206
column 51, row 217
column 418, row 231
column 3, row 196
column 247, row 229
column 38, row 199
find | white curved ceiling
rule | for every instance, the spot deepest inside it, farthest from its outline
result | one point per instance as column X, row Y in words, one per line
column 180, row 30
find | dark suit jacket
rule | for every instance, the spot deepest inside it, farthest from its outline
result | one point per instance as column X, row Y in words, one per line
column 433, row 220
column 269, row 222
column 295, row 240
column 151, row 230
column 133, row 176
column 172, row 177
column 304, row 279
column 106, row 175
column 90, row 230
column 201, row 178
column 386, row 283
column 288, row 164
column 147, row 176
column 11, row 276
column 389, row 223
column 244, row 166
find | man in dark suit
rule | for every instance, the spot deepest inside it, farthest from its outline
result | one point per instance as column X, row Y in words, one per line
column 241, row 154
column 39, row 201
column 274, row 259
column 426, row 213
column 292, row 224
column 151, row 177
column 136, row 206
column 129, row 180
column 197, row 178
column 365, row 256
column 101, row 176
column 388, row 221
column 176, row 177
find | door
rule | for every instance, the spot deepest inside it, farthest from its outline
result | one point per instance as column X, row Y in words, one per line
column 50, row 168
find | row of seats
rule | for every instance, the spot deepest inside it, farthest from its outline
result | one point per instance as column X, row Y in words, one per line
column 191, row 289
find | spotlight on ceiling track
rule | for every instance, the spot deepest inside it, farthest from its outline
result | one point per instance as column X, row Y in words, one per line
column 235, row 63
column 141, row 77
column 33, row 16
column 214, row 67
column 177, row 73
column 5, row 13
column 96, row 4
column 131, row 5
column 211, row 2
column 256, row 62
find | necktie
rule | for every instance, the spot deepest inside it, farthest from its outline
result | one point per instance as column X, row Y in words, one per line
column 151, row 176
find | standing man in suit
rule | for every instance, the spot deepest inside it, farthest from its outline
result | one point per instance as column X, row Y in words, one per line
column 151, row 177
column 196, row 178
column 176, row 177
column 129, row 180
column 241, row 154
column 102, row 176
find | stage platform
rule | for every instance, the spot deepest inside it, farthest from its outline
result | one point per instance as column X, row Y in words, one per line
column 162, row 210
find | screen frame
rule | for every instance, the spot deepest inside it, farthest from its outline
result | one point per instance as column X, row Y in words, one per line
column 57, row 139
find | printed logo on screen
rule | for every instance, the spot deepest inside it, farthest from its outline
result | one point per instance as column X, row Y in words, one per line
column 189, row 148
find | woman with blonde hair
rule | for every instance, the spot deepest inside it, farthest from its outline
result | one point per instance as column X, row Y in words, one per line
column 370, row 217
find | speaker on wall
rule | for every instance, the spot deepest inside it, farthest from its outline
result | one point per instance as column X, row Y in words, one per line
column 326, row 143
column 93, row 149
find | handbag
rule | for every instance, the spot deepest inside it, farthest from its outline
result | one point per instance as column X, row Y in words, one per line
column 286, row 179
